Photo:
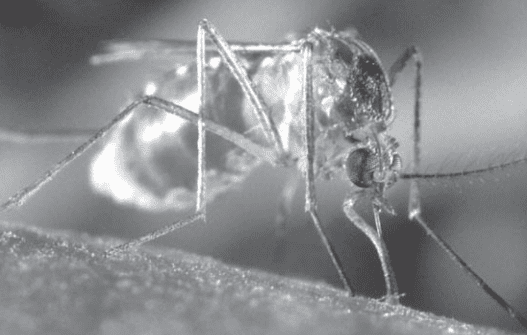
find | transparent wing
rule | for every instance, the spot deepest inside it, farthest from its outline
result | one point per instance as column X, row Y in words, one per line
column 150, row 160
column 134, row 50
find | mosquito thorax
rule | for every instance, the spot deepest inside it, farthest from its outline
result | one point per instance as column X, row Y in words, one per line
column 351, row 75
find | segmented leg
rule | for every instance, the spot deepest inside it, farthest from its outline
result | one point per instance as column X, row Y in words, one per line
column 162, row 105
column 200, row 212
column 311, row 200
column 414, row 202
column 395, row 69
column 392, row 294
column 205, row 29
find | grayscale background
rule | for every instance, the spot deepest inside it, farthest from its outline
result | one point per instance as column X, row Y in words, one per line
column 474, row 106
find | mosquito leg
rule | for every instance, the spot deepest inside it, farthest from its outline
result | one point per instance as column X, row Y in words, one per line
column 201, row 180
column 416, row 215
column 401, row 62
column 237, row 70
column 414, row 202
column 395, row 69
column 133, row 244
column 311, row 199
column 392, row 296
column 202, row 113
column 238, row 139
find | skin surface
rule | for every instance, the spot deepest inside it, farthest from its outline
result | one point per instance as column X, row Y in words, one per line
column 61, row 282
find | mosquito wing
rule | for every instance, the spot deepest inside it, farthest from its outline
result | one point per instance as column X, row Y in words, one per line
column 150, row 160
column 113, row 51
column 125, row 50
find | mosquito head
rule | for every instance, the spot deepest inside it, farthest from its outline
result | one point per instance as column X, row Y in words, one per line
column 377, row 164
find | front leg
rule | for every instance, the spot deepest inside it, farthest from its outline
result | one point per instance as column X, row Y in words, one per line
column 392, row 296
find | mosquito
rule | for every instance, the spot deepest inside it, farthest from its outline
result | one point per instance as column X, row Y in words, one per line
column 320, row 104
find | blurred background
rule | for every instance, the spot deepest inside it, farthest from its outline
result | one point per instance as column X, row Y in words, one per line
column 474, row 106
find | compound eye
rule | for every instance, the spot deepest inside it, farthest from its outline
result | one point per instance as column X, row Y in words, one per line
column 361, row 166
